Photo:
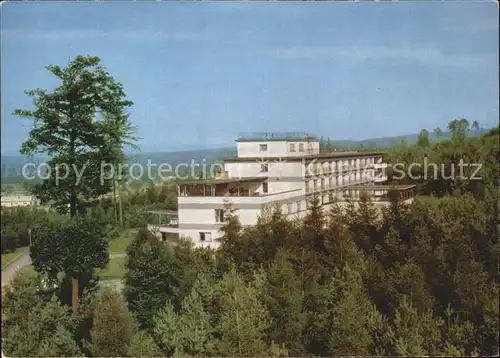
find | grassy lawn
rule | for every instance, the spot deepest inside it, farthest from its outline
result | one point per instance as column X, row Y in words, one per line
column 6, row 258
column 115, row 269
column 120, row 244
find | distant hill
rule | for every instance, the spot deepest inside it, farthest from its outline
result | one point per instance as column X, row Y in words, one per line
column 12, row 165
column 386, row 142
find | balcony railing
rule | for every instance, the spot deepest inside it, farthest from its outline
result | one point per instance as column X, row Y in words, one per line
column 385, row 196
column 345, row 168
column 222, row 193
column 338, row 186
column 274, row 135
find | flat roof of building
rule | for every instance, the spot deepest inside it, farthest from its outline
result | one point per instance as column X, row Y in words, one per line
column 221, row 181
column 381, row 186
column 167, row 212
column 327, row 155
column 275, row 136
column 16, row 197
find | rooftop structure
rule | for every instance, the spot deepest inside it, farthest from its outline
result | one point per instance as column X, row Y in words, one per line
column 284, row 169
column 276, row 145
column 274, row 136
column 308, row 156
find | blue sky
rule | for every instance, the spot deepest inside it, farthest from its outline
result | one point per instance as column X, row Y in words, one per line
column 199, row 73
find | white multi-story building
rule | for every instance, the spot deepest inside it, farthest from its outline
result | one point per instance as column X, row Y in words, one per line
column 283, row 169
column 18, row 200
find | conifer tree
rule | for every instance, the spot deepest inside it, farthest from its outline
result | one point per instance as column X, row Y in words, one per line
column 112, row 325
column 283, row 297
column 34, row 323
column 416, row 333
column 143, row 346
column 166, row 331
column 232, row 248
column 148, row 280
column 243, row 318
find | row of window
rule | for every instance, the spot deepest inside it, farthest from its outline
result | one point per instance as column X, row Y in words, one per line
column 327, row 167
column 298, row 206
column 301, row 147
column 263, row 147
column 295, row 207
column 204, row 236
column 333, row 181
column 329, row 198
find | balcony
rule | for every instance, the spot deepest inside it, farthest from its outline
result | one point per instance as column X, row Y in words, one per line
column 380, row 165
column 164, row 218
column 380, row 178
column 338, row 186
column 381, row 193
column 325, row 171
column 164, row 223
column 223, row 187
column 186, row 201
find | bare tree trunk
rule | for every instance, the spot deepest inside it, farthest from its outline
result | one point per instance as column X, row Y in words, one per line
column 120, row 203
column 114, row 195
column 75, row 301
column 238, row 323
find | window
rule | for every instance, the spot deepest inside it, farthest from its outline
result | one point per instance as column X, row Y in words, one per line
column 264, row 168
column 292, row 147
column 264, row 187
column 322, row 184
column 299, row 206
column 219, row 215
column 163, row 236
column 289, row 208
column 206, row 236
column 263, row 147
column 301, row 147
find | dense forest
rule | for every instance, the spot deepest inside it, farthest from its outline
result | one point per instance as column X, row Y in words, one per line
column 410, row 281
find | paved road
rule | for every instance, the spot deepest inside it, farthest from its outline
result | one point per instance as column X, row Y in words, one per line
column 10, row 270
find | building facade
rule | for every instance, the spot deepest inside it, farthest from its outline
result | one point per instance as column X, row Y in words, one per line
column 283, row 169
column 18, row 200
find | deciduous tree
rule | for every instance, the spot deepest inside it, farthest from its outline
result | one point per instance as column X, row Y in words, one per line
column 76, row 247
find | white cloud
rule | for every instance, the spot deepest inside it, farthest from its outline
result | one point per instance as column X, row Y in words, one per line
column 425, row 55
